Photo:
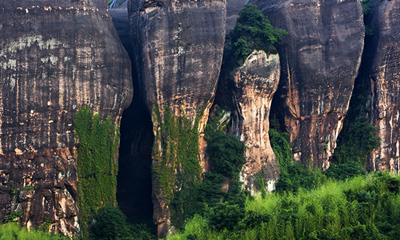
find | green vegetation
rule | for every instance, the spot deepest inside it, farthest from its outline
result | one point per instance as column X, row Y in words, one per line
column 97, row 167
column 365, row 207
column 253, row 31
column 366, row 6
column 13, row 231
column 176, row 160
column 355, row 143
column 14, row 216
column 226, row 159
column 111, row 224
column 293, row 175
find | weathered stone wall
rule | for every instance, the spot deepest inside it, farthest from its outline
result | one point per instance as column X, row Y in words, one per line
column 254, row 86
column 320, row 58
column 179, row 47
column 385, row 83
column 56, row 57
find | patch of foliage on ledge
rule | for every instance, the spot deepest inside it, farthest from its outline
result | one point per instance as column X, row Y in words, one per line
column 97, row 167
column 253, row 31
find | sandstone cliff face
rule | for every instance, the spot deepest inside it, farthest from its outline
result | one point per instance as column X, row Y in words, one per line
column 233, row 8
column 320, row 57
column 254, row 86
column 179, row 46
column 385, row 74
column 55, row 58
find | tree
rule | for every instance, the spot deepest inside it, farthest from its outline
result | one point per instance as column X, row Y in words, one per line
column 253, row 31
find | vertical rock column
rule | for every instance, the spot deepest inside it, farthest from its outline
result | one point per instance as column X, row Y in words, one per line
column 55, row 58
column 385, row 83
column 254, row 86
column 320, row 58
column 179, row 47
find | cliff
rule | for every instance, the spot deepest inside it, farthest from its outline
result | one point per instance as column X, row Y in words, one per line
column 384, row 19
column 55, row 58
column 178, row 54
column 320, row 58
column 254, row 86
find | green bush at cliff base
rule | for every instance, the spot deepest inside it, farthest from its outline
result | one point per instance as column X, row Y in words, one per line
column 364, row 207
column 253, row 31
column 355, row 142
column 14, row 231
column 111, row 224
column 293, row 175
column 226, row 154
column 97, row 168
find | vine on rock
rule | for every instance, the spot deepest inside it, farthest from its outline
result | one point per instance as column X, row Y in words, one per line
column 97, row 168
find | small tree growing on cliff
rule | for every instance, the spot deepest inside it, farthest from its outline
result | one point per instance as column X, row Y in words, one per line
column 253, row 31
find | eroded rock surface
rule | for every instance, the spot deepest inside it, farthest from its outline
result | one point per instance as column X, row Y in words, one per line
column 233, row 8
column 254, row 86
column 55, row 58
column 320, row 58
column 385, row 76
column 179, row 46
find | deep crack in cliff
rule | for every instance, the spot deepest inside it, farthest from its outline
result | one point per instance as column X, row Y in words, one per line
column 134, row 189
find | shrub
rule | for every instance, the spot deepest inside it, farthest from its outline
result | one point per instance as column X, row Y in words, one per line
column 364, row 207
column 253, row 31
column 355, row 143
column 226, row 154
column 13, row 231
column 345, row 170
column 111, row 224
column 225, row 216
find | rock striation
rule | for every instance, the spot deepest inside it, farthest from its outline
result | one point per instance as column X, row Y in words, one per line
column 320, row 58
column 385, row 86
column 254, row 86
column 55, row 58
column 233, row 8
column 179, row 48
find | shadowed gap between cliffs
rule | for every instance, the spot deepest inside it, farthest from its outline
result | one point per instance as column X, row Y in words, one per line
column 134, row 187
column 360, row 103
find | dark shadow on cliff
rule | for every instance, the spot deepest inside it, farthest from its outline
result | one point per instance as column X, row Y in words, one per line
column 134, row 189
column 353, row 139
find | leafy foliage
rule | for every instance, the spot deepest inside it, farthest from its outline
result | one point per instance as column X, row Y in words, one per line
column 293, row 175
column 13, row 231
column 253, row 31
column 366, row 6
column 225, row 216
column 345, row 170
column 226, row 154
column 355, row 143
column 111, row 224
column 359, row 208
column 97, row 168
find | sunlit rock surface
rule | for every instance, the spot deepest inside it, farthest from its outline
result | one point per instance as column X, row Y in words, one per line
column 55, row 58
column 385, row 85
column 320, row 58
column 254, row 86
column 178, row 46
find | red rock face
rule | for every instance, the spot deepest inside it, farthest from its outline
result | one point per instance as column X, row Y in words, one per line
column 254, row 86
column 320, row 58
column 385, row 76
column 55, row 58
column 179, row 48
